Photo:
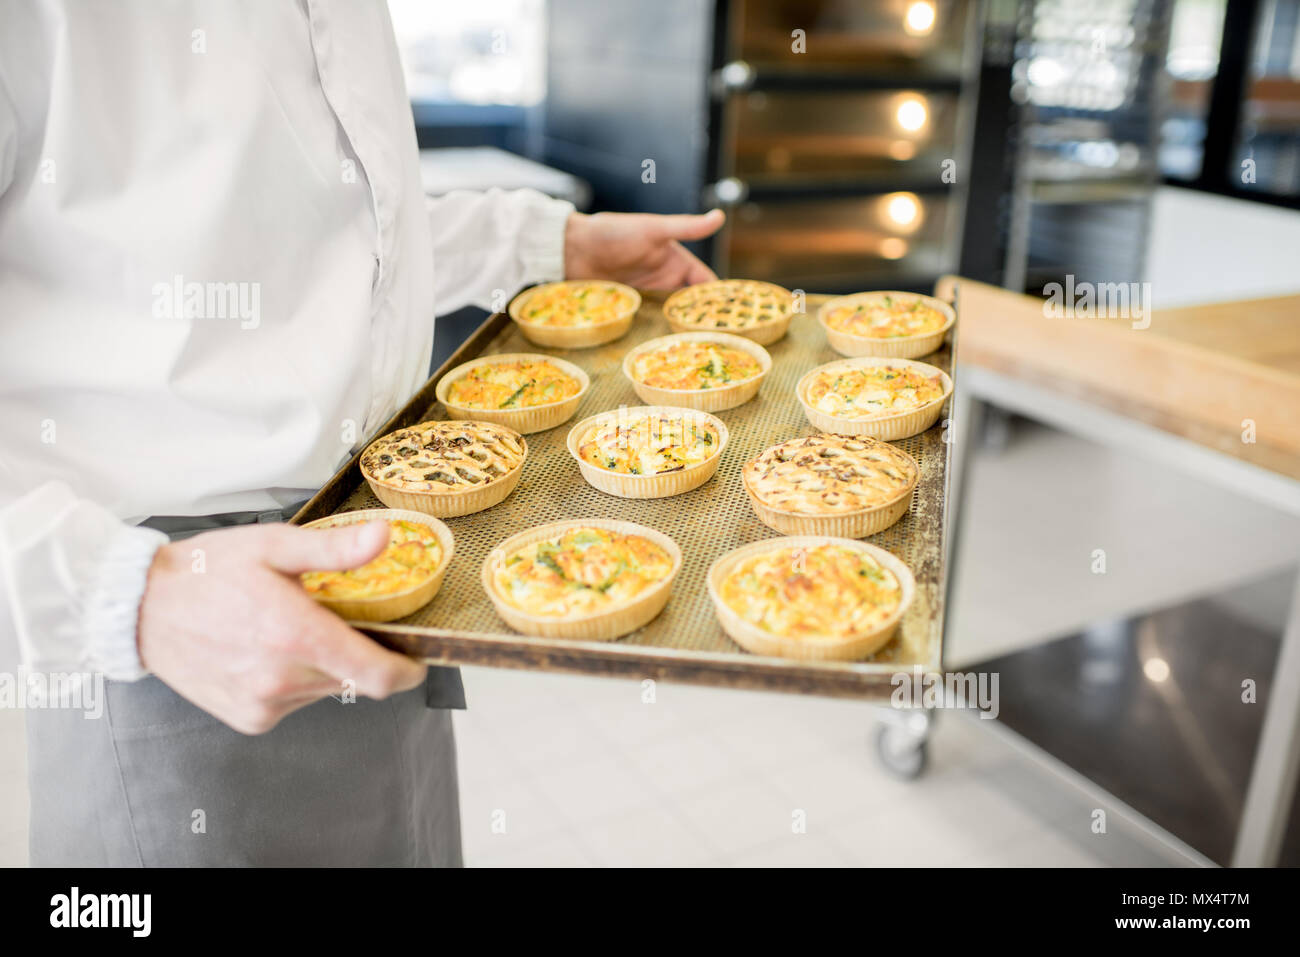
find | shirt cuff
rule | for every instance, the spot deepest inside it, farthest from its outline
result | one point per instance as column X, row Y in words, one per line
column 541, row 248
column 111, row 613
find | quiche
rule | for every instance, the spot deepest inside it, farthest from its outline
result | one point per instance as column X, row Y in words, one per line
column 589, row 579
column 575, row 314
column 885, row 398
column 757, row 310
column 692, row 365
column 810, row 597
column 888, row 316
column 648, row 451
column 411, row 558
column 512, row 384
column 843, row 485
column 899, row 325
column 579, row 571
column 445, row 468
column 872, row 391
column 404, row 577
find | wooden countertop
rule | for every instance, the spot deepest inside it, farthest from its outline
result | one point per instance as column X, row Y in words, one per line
column 1204, row 373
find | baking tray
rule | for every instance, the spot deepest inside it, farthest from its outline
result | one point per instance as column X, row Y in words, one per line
column 684, row 643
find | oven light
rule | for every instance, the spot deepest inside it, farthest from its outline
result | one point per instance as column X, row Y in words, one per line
column 920, row 18
column 893, row 248
column 903, row 208
column 912, row 114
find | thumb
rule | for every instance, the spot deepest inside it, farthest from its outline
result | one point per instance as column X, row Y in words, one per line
column 294, row 550
column 687, row 227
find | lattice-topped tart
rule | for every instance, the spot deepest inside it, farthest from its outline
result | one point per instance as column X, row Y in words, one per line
column 445, row 468
column 746, row 307
column 810, row 597
column 842, row 485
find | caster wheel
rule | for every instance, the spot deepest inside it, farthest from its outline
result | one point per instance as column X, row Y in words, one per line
column 900, row 753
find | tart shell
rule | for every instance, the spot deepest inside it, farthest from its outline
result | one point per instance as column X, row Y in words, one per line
column 450, row 504
column 856, row 524
column 892, row 427
column 399, row 604
column 761, row 642
column 604, row 625
column 905, row 347
column 646, row 486
column 527, row 420
column 764, row 333
column 702, row 400
column 574, row 337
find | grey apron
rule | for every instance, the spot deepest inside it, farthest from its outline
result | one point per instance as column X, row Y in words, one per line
column 155, row 781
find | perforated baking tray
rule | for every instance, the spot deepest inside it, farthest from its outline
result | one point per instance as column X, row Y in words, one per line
column 685, row 642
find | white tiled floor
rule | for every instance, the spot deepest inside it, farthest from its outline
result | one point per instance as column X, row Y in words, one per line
column 580, row 771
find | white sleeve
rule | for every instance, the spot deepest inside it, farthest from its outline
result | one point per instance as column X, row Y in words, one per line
column 494, row 241
column 71, row 579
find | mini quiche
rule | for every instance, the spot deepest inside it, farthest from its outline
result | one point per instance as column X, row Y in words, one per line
column 839, row 485
column 894, row 324
column 445, row 468
column 884, row 398
column 709, row 371
column 575, row 314
column 403, row 578
column 648, row 451
column 810, row 597
column 523, row 390
column 594, row 579
column 757, row 310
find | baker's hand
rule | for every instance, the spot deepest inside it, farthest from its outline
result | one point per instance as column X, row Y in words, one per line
column 236, row 634
column 640, row 249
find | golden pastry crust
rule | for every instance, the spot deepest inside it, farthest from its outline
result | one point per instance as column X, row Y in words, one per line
column 689, row 366
column 729, row 304
column 830, row 474
column 823, row 591
column 444, row 456
column 649, row 444
column 887, row 316
column 512, row 384
column 411, row 558
column 872, row 391
column 576, row 304
column 579, row 572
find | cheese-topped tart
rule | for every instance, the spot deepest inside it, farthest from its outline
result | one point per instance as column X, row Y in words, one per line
column 443, row 456
column 824, row 591
column 411, row 559
column 580, row 571
column 830, row 474
column 515, row 384
column 886, row 316
column 729, row 305
column 874, row 390
column 653, row 443
column 694, row 365
column 576, row 304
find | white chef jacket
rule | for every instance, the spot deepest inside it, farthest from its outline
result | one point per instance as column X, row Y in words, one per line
column 216, row 279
